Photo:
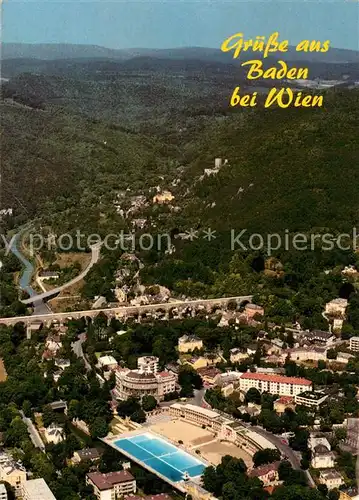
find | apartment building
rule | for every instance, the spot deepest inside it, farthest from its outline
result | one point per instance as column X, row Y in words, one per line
column 37, row 489
column 274, row 384
column 310, row 399
column 112, row 485
column 354, row 344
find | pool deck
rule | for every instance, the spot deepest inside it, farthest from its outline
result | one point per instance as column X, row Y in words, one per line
column 179, row 485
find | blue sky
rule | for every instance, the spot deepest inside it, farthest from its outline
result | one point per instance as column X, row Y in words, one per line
column 176, row 23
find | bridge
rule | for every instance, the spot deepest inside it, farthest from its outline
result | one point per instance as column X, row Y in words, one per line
column 35, row 299
column 127, row 311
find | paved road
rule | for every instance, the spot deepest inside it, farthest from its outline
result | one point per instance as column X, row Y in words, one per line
column 95, row 255
column 35, row 436
column 77, row 348
column 125, row 310
column 286, row 450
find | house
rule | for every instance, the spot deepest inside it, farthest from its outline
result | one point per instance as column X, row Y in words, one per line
column 62, row 363
column 163, row 198
column 338, row 324
column 251, row 409
column 188, row 343
column 112, row 484
column 107, row 362
column 331, row 478
column 198, row 362
column 322, row 457
column 49, row 275
column 343, row 357
column 267, row 473
column 91, row 454
column 252, row 310
column 209, row 374
column 336, row 307
column 12, row 472
column 81, row 424
column 303, row 354
column 54, row 434
column 319, row 337
column 231, row 318
column 236, row 355
column 36, row 489
column 283, row 403
column 60, row 406
column 352, row 439
column 316, row 440
column 53, row 343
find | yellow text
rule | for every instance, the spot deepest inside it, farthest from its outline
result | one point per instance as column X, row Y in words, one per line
column 259, row 44
column 256, row 71
column 296, row 100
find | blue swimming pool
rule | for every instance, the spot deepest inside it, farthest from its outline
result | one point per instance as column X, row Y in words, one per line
column 162, row 457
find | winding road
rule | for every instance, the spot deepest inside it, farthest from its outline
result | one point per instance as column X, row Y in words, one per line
column 95, row 255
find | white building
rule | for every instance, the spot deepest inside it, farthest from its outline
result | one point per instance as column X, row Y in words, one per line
column 54, row 434
column 344, row 357
column 145, row 381
column 322, row 456
column 37, row 489
column 354, row 344
column 336, row 307
column 314, row 353
column 274, row 384
column 310, row 399
column 3, row 492
column 188, row 343
column 148, row 364
column 236, row 355
column 112, row 485
column 331, row 478
column 107, row 362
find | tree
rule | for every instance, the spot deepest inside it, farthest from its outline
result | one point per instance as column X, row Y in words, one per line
column 99, row 428
column 266, row 456
column 253, row 396
column 334, row 494
column 149, row 403
column 139, row 416
column 26, row 408
column 323, row 489
column 341, row 433
column 48, row 416
column 332, row 354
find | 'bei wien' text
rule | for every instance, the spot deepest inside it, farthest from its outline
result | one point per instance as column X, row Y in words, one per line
column 283, row 98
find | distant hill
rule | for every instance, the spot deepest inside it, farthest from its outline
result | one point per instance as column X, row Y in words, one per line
column 71, row 51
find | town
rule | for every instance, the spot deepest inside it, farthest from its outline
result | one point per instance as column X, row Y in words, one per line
column 177, row 397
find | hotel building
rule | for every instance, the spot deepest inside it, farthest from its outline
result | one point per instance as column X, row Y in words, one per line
column 274, row 384
column 145, row 381
column 112, row 485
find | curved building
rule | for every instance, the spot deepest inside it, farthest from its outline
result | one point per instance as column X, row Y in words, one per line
column 145, row 381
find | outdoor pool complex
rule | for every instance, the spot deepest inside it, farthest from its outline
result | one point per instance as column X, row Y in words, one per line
column 160, row 456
